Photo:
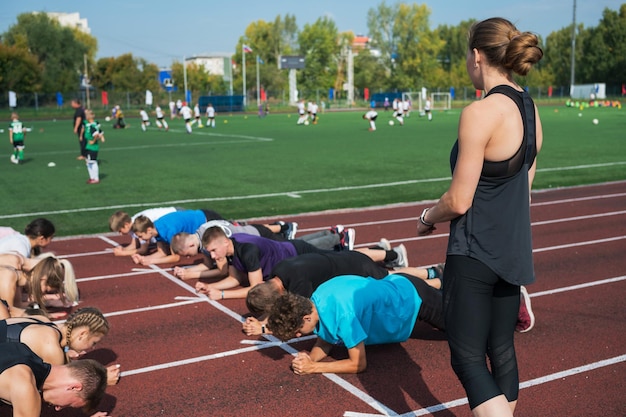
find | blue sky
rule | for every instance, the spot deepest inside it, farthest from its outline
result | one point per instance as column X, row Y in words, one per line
column 163, row 31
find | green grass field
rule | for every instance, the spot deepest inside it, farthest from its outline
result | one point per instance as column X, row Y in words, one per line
column 249, row 167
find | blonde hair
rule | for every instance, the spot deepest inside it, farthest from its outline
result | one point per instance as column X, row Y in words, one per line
column 59, row 275
column 504, row 46
column 119, row 220
column 90, row 317
column 179, row 242
column 141, row 224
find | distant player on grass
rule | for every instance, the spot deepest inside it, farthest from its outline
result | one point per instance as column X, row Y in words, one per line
column 145, row 119
column 371, row 116
column 186, row 114
column 197, row 116
column 210, row 115
column 92, row 136
column 160, row 118
column 17, row 134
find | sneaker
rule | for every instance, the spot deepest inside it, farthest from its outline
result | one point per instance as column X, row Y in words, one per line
column 402, row 261
column 384, row 244
column 525, row 317
column 290, row 232
column 347, row 239
column 338, row 230
column 14, row 159
column 90, row 181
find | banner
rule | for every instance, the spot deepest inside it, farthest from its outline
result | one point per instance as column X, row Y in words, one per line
column 148, row 98
column 105, row 98
column 12, row 99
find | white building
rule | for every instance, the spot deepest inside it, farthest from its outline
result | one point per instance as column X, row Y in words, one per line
column 214, row 64
column 72, row 20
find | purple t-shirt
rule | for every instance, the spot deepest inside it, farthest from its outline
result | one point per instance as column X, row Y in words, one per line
column 254, row 252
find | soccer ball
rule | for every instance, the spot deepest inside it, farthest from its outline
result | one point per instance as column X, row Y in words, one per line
column 306, row 122
column 390, row 122
column 595, row 121
column 108, row 119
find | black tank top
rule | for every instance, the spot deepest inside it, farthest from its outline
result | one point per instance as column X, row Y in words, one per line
column 13, row 332
column 12, row 354
column 496, row 229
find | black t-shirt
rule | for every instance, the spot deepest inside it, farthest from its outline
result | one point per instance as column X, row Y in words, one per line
column 79, row 114
column 302, row 274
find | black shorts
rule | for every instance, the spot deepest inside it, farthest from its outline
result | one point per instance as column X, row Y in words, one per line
column 91, row 155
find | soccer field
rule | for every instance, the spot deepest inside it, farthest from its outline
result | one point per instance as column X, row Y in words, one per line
column 252, row 167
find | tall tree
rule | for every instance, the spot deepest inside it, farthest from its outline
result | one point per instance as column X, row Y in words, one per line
column 409, row 48
column 319, row 43
column 59, row 53
column 19, row 70
column 604, row 58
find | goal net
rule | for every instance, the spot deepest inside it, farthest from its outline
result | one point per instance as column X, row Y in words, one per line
column 415, row 100
column 441, row 101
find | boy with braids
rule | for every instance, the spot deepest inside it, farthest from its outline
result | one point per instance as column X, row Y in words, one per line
column 58, row 344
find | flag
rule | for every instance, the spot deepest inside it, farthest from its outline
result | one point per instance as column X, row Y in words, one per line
column 260, row 61
column 105, row 98
column 247, row 49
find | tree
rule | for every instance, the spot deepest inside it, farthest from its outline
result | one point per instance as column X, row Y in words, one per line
column 59, row 53
column 19, row 70
column 604, row 58
column 319, row 43
column 557, row 53
column 409, row 48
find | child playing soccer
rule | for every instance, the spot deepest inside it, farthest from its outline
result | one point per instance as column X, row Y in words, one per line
column 16, row 136
column 92, row 134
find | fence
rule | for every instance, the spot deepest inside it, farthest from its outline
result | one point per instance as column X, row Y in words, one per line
column 278, row 100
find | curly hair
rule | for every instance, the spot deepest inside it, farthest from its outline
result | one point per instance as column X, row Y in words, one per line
column 287, row 315
column 504, row 45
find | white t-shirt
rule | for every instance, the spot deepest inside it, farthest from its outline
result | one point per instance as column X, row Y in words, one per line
column 144, row 115
column 196, row 111
column 371, row 114
column 15, row 243
column 210, row 111
column 159, row 112
column 186, row 112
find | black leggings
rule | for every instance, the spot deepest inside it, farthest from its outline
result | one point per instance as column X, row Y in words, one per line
column 431, row 309
column 480, row 311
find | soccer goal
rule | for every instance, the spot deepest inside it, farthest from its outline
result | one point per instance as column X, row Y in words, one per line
column 441, row 101
column 415, row 100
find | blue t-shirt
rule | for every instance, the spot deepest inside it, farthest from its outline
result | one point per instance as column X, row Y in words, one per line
column 179, row 221
column 353, row 309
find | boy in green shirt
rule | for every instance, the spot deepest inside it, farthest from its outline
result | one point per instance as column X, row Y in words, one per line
column 17, row 134
column 92, row 135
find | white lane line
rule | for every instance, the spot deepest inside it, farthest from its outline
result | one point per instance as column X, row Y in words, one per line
column 533, row 382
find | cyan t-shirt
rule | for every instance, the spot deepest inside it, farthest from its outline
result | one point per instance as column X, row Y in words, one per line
column 353, row 309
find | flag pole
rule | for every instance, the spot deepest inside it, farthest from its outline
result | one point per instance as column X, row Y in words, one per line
column 258, row 85
column 243, row 59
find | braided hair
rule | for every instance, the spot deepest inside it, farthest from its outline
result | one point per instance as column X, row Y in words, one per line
column 90, row 317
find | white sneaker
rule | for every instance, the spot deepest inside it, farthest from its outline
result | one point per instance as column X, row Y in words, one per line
column 402, row 261
column 525, row 316
column 385, row 244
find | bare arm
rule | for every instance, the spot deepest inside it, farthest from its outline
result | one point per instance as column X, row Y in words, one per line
column 304, row 364
column 18, row 386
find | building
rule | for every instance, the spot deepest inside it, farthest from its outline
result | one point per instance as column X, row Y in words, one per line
column 214, row 64
column 72, row 20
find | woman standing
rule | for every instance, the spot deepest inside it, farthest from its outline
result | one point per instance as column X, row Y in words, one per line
column 489, row 253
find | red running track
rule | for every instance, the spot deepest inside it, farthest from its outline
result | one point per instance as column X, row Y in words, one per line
column 183, row 355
